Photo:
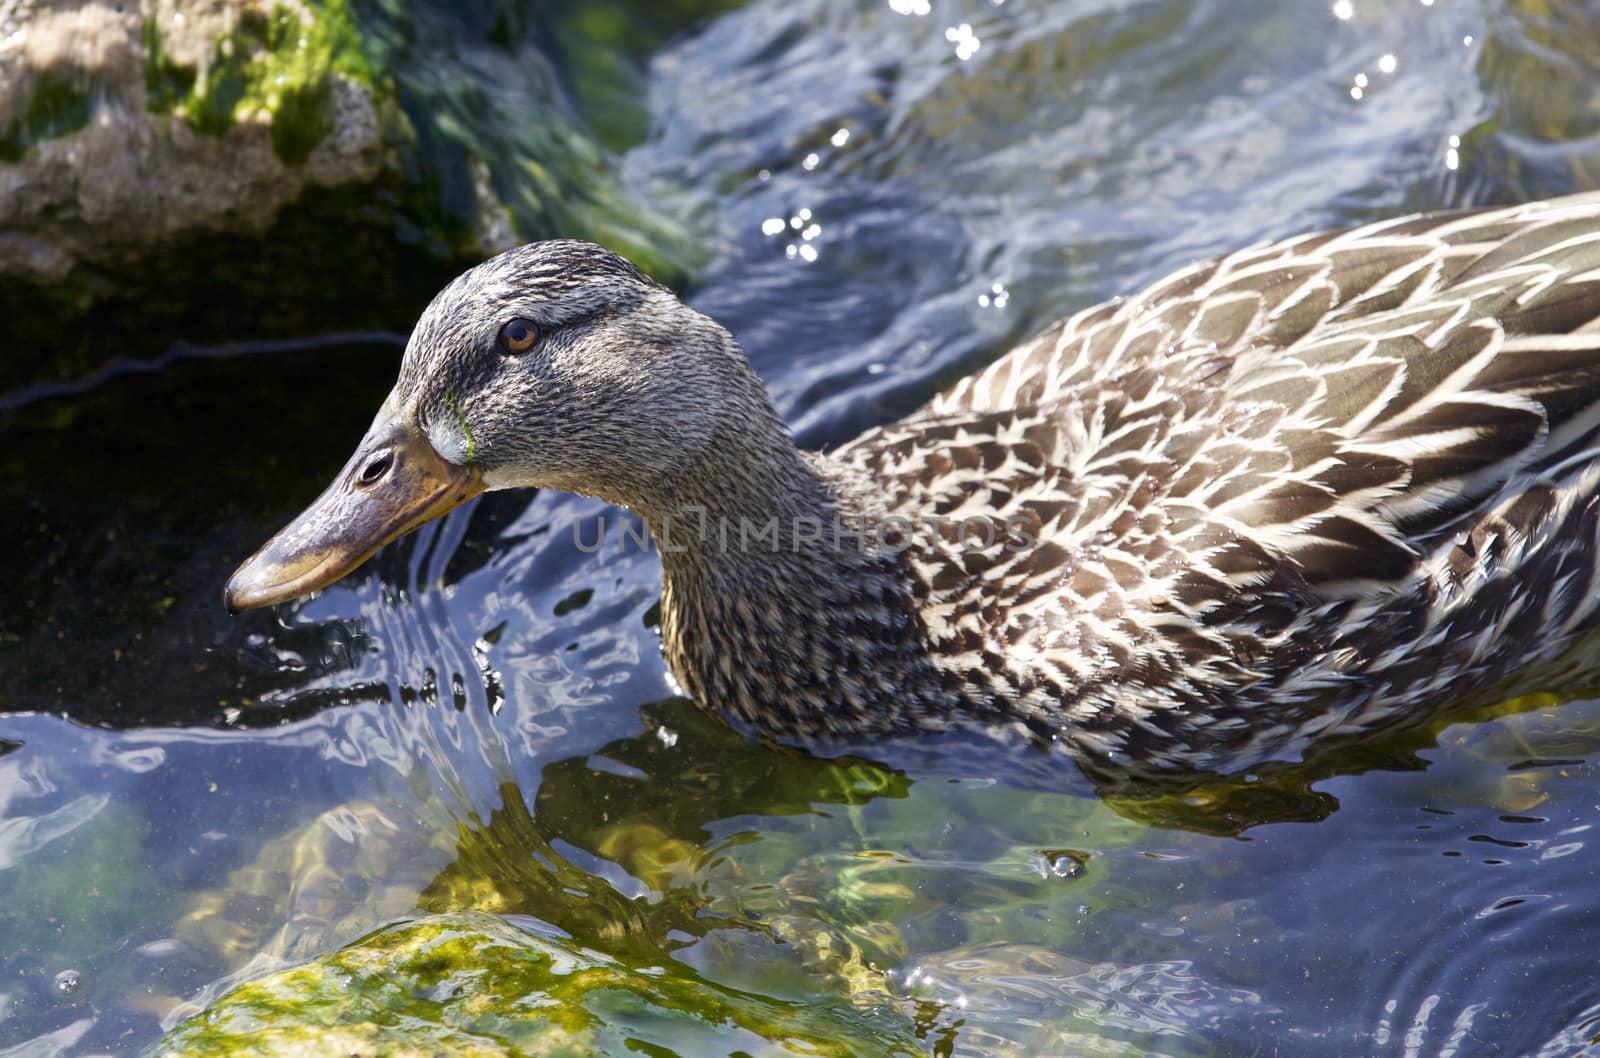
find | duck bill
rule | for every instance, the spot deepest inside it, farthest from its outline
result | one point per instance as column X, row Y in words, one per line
column 393, row 483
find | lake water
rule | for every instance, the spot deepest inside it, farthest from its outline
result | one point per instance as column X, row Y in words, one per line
column 891, row 192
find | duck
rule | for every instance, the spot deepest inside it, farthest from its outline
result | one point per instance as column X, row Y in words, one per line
column 1306, row 491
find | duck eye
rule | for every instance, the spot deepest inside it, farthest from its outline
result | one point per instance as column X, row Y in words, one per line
column 518, row 336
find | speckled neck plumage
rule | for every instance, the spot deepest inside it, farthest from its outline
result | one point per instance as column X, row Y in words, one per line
column 780, row 604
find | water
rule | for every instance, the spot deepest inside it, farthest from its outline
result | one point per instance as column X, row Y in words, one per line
column 480, row 719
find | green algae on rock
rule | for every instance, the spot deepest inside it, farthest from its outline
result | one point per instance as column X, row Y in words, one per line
column 494, row 131
column 473, row 984
column 124, row 134
column 134, row 137
column 55, row 104
column 278, row 65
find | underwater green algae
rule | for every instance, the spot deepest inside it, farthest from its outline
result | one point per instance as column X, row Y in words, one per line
column 768, row 868
column 71, row 876
column 473, row 984
column 496, row 139
column 80, row 882
column 342, row 873
column 727, row 885
column 692, row 897
column 606, row 45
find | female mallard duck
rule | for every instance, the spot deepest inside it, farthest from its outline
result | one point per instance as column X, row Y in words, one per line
column 1299, row 492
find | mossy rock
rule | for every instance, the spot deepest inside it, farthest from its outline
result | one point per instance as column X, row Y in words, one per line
column 473, row 984
column 362, row 150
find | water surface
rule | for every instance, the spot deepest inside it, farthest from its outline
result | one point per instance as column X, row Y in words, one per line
column 892, row 192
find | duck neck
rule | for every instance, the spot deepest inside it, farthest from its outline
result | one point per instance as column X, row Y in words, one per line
column 780, row 605
column 748, row 476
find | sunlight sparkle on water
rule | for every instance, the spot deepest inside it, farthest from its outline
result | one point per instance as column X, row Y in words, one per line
column 801, row 222
column 997, row 295
column 1344, row 10
column 966, row 41
column 910, row 7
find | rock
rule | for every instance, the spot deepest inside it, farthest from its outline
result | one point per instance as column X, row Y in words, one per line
column 474, row 984
column 123, row 130
column 170, row 167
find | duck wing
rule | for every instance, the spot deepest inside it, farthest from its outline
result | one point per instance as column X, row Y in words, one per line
column 1286, row 493
column 1330, row 406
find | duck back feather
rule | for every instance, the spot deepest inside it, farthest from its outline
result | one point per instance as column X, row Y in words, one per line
column 1293, row 491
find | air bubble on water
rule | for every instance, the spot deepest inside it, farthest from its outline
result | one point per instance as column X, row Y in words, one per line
column 1065, row 863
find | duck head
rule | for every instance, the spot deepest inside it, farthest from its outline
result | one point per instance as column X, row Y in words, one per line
column 555, row 365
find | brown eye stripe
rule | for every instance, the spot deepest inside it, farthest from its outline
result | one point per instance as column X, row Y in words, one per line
column 518, row 336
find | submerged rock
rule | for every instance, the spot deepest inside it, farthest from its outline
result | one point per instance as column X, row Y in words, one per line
column 473, row 984
column 1016, row 999
column 342, row 873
